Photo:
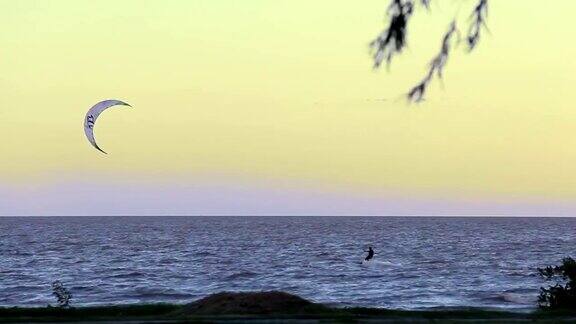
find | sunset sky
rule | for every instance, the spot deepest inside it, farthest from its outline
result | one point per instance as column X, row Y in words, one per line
column 272, row 107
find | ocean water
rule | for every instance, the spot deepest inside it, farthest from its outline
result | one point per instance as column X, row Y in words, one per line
column 419, row 262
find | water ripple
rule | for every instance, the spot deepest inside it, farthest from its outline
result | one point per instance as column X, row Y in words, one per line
column 419, row 263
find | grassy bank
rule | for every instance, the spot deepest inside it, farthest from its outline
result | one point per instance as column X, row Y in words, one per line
column 167, row 313
column 263, row 306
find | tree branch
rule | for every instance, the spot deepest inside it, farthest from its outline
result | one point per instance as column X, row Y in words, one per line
column 392, row 40
column 437, row 65
column 479, row 15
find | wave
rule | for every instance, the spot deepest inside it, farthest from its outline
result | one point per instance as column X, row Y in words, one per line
column 169, row 261
column 378, row 264
column 158, row 293
column 527, row 298
column 203, row 254
column 519, row 272
column 242, row 275
column 130, row 275
column 21, row 289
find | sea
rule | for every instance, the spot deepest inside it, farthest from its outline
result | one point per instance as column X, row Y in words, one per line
column 420, row 262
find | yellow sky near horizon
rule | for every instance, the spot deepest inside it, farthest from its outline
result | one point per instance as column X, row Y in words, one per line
column 285, row 89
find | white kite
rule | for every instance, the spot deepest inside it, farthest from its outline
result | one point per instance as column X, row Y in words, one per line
column 92, row 115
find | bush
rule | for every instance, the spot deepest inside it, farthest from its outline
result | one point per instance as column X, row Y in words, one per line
column 63, row 295
column 563, row 294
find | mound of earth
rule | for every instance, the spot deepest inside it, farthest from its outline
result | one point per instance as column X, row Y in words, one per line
column 239, row 303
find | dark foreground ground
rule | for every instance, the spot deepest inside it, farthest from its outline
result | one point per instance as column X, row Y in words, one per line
column 268, row 307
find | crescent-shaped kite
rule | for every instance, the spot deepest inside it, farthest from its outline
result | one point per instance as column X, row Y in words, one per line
column 92, row 115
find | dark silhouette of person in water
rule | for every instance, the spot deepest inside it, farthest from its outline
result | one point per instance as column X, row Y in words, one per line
column 370, row 254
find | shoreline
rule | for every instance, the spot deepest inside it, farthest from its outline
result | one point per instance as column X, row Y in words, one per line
column 318, row 313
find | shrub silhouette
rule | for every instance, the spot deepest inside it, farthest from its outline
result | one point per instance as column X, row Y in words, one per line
column 563, row 294
column 63, row 295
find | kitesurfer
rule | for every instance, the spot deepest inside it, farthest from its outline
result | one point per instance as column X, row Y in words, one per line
column 370, row 254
